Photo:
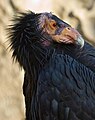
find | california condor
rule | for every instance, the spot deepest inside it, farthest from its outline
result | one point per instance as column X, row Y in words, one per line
column 59, row 68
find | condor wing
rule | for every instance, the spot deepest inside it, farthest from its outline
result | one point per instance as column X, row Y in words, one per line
column 63, row 85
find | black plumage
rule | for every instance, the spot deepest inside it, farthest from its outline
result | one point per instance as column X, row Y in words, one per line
column 59, row 82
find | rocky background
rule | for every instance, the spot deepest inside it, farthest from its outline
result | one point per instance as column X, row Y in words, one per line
column 78, row 13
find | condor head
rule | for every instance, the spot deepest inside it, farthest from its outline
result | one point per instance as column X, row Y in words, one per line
column 31, row 33
column 58, row 30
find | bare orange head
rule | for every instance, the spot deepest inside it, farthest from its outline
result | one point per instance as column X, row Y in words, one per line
column 59, row 30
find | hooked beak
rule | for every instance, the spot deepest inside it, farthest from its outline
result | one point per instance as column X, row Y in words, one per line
column 80, row 41
column 69, row 36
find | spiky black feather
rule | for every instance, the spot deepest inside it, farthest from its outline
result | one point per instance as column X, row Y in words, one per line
column 24, row 36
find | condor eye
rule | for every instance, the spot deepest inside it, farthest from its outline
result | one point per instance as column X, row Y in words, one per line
column 51, row 26
column 54, row 25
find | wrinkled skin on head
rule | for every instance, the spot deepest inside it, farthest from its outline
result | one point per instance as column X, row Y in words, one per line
column 58, row 30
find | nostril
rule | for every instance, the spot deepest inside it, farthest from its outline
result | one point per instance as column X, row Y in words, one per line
column 68, row 28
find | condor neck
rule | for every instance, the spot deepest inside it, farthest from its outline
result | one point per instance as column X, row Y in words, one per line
column 38, row 59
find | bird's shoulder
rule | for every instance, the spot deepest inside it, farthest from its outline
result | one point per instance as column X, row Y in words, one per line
column 65, row 79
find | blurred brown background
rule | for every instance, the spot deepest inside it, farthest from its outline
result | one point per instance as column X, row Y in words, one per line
column 79, row 13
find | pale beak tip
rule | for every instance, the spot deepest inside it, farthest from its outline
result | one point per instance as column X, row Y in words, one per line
column 80, row 41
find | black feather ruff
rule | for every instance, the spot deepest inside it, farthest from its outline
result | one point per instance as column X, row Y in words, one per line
column 24, row 36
